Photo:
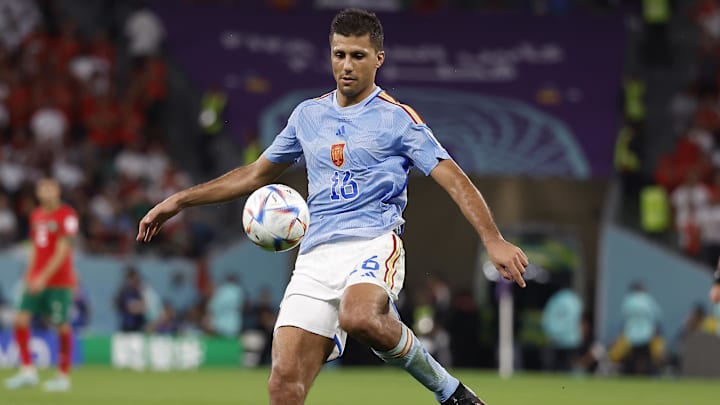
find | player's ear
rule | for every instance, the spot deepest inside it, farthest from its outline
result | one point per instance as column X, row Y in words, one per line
column 380, row 59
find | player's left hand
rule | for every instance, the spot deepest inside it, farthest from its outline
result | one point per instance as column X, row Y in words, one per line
column 715, row 294
column 37, row 285
column 509, row 260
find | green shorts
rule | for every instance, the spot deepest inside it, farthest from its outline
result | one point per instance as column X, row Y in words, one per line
column 55, row 303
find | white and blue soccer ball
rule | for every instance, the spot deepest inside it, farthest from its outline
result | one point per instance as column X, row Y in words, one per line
column 276, row 217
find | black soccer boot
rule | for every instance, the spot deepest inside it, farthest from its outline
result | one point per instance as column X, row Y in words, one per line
column 463, row 396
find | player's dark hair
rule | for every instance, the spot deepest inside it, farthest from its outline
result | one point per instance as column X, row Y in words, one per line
column 356, row 23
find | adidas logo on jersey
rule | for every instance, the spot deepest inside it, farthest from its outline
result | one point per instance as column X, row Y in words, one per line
column 340, row 131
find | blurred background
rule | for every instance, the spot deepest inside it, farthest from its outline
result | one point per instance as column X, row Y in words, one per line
column 592, row 128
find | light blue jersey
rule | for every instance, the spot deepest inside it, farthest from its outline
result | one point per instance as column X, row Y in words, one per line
column 561, row 319
column 358, row 159
column 642, row 315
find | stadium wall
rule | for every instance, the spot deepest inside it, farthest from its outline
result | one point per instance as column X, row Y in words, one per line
column 674, row 281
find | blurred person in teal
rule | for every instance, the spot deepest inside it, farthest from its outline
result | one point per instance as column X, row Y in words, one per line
column 561, row 323
column 225, row 308
column 641, row 315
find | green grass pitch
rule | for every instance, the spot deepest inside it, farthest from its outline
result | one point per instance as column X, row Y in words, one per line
column 359, row 386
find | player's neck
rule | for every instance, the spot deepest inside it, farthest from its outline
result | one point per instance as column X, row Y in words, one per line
column 345, row 101
column 49, row 207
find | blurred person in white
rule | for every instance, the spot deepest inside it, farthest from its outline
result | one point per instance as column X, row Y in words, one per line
column 689, row 201
column 641, row 315
column 702, row 137
column 68, row 173
column 706, row 14
column 145, row 33
column 49, row 125
column 131, row 162
column 102, row 204
column 12, row 172
column 156, row 162
column 225, row 309
column 8, row 222
column 17, row 19
column 709, row 220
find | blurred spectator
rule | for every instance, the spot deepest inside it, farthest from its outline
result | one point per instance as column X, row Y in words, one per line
column 8, row 222
column 694, row 321
column 263, row 312
column 628, row 147
column 49, row 125
column 689, row 201
column 225, row 309
column 427, row 325
column 168, row 323
column 17, row 18
column 130, row 303
column 656, row 16
column 641, row 315
column 591, row 351
column 683, row 106
column 212, row 122
column 145, row 33
column 80, row 317
column 634, row 99
column 183, row 294
column 709, row 220
column 561, row 323
column 464, row 327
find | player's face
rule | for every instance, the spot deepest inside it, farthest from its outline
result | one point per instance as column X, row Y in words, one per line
column 354, row 63
column 48, row 192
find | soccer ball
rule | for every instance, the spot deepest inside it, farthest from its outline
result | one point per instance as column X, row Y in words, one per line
column 276, row 217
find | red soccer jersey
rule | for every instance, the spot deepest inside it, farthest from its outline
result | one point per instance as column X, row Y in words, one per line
column 46, row 228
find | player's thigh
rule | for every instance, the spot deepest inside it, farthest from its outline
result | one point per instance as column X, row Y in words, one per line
column 298, row 354
column 58, row 305
column 365, row 299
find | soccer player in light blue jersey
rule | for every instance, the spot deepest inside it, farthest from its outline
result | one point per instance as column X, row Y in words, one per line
column 359, row 145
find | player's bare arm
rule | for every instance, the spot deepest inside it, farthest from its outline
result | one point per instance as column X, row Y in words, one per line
column 62, row 249
column 508, row 259
column 231, row 185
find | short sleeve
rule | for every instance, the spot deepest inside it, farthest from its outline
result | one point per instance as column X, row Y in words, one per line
column 420, row 146
column 70, row 224
column 286, row 147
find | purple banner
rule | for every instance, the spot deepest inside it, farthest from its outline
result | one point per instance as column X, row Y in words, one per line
column 506, row 94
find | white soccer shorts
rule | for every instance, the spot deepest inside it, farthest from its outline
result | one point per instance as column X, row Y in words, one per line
column 312, row 298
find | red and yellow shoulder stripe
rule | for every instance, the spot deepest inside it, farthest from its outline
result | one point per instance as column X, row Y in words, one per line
column 409, row 110
column 324, row 95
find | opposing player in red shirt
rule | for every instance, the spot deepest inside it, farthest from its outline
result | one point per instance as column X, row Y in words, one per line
column 49, row 283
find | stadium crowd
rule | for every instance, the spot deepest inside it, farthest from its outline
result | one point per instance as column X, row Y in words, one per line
column 86, row 108
column 688, row 175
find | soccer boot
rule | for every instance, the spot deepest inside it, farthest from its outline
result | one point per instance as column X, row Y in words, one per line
column 24, row 378
column 463, row 396
column 59, row 383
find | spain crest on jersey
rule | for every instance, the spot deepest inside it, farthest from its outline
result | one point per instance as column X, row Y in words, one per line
column 337, row 154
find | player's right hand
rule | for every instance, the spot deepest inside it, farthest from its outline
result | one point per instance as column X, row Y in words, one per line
column 155, row 218
column 509, row 260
